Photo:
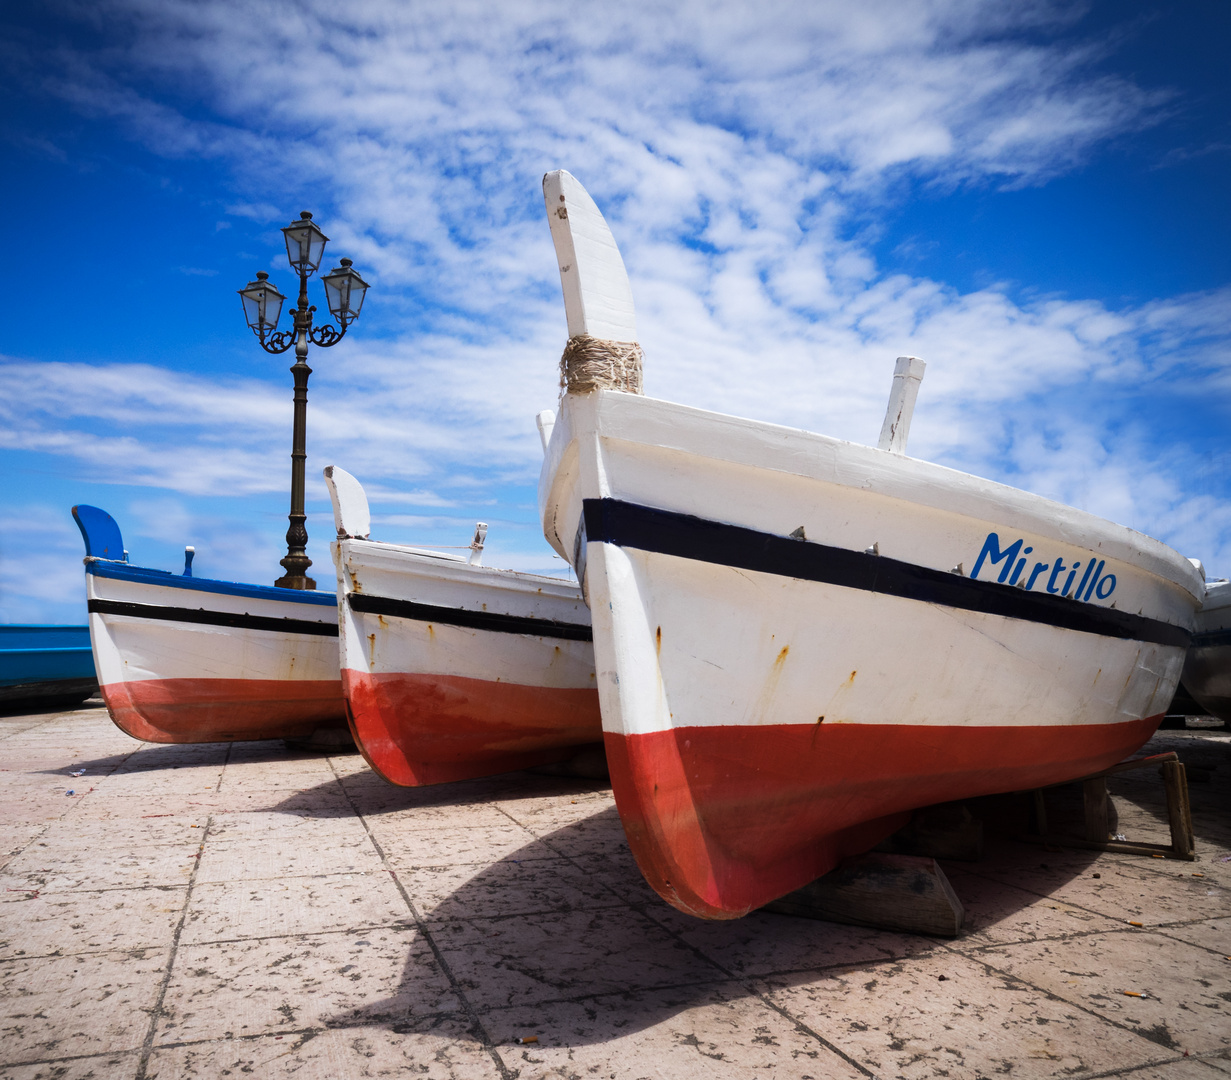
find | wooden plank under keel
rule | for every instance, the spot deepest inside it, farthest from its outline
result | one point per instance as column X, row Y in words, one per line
column 948, row 831
column 890, row 892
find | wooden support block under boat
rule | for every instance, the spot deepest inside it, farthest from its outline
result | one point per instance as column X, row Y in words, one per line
column 942, row 832
column 1097, row 810
column 890, row 892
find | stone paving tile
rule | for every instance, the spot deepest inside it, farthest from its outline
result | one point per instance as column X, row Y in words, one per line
column 1220, row 1063
column 378, row 976
column 435, row 1048
column 563, row 955
column 259, row 778
column 280, row 826
column 715, row 1032
column 547, row 813
column 69, row 1005
column 170, row 782
column 15, row 838
column 80, row 922
column 1192, row 1068
column 997, row 912
column 1213, row 935
column 445, row 846
column 60, row 867
column 599, row 833
column 121, row 1065
column 616, row 869
column 1183, row 1008
column 900, row 1019
column 434, row 817
column 1124, row 890
column 508, row 887
column 286, row 856
column 763, row 943
column 260, row 909
column 110, row 825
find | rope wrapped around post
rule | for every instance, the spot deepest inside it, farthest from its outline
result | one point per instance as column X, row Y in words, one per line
column 591, row 363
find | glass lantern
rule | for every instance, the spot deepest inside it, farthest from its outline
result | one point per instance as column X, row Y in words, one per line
column 305, row 244
column 262, row 303
column 344, row 289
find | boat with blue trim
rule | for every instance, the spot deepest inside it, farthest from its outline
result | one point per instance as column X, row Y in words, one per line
column 43, row 665
column 183, row 659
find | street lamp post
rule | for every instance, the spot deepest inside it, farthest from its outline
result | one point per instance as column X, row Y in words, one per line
column 344, row 290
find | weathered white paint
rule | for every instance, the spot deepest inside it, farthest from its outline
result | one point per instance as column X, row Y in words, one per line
column 722, row 629
column 387, row 645
column 128, row 648
column 545, row 421
column 598, row 299
column 351, row 514
column 907, row 374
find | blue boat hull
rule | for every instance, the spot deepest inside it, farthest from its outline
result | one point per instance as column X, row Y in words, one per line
column 41, row 663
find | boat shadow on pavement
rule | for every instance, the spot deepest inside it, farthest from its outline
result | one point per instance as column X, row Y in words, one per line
column 545, row 927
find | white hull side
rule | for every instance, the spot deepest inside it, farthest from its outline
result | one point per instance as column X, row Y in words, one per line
column 707, row 663
column 452, row 670
column 132, row 649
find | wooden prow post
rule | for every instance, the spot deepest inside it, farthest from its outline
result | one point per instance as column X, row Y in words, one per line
column 351, row 515
column 598, row 299
column 907, row 375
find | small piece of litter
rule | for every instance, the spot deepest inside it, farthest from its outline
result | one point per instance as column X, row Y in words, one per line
column 1120, row 836
column 1131, row 923
column 1198, row 875
column 525, row 1040
column 70, row 791
column 1155, row 856
column 942, row 978
column 77, row 772
column 1133, row 993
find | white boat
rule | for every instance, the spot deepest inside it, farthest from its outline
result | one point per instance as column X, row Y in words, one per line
column 451, row 669
column 800, row 639
column 183, row 659
column 1207, row 668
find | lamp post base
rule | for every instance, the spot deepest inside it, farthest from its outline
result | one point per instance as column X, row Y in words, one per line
column 295, row 581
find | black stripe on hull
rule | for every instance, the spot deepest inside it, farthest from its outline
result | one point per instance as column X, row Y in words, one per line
column 214, row 618
column 665, row 532
column 1212, row 638
column 474, row 620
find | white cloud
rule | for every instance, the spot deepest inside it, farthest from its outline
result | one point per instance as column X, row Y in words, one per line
column 732, row 146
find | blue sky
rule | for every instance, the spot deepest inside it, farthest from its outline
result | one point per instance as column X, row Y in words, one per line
column 1032, row 197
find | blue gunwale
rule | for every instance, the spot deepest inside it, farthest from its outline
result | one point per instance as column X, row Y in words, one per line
column 123, row 571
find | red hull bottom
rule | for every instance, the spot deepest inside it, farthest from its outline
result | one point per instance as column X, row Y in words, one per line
column 223, row 710
column 724, row 819
column 432, row 729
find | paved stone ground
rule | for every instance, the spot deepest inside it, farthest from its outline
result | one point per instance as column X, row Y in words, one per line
column 210, row 911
